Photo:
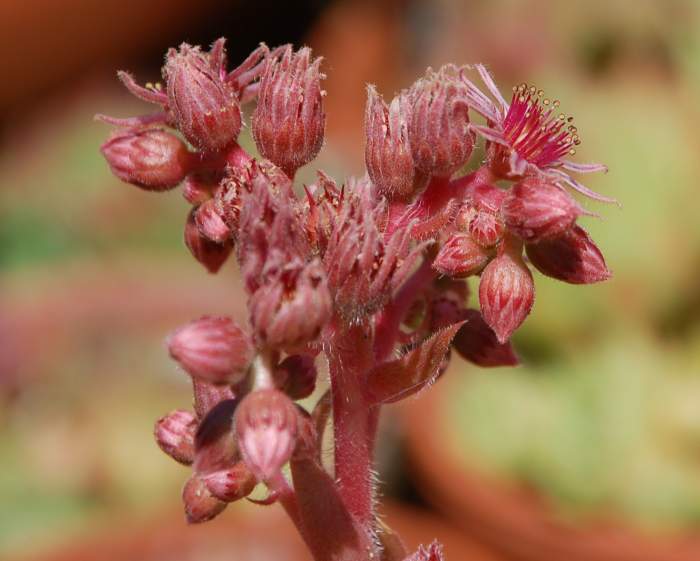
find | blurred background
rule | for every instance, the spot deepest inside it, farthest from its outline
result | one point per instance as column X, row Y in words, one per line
column 589, row 451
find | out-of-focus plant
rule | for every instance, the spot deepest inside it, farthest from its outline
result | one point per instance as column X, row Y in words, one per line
column 369, row 274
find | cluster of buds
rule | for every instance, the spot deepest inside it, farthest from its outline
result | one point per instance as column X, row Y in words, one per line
column 373, row 272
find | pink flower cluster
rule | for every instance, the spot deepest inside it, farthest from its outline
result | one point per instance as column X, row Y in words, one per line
column 369, row 273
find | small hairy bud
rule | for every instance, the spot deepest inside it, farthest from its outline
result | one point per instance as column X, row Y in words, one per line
column 271, row 235
column 269, row 187
column 297, row 375
column 212, row 349
column 292, row 306
column 572, row 257
column 288, row 123
column 205, row 109
column 439, row 127
column 387, row 150
column 476, row 342
column 175, row 435
column 152, row 159
column 266, row 428
column 364, row 265
column 506, row 292
column 481, row 216
column 209, row 253
column 210, row 223
column 535, row 210
column 460, row 256
column 200, row 504
column 231, row 484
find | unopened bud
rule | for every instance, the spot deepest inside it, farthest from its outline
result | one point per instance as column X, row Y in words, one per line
column 152, row 159
column 290, row 309
column 460, row 256
column 297, row 375
column 231, row 484
column 210, row 223
column 266, row 428
column 387, row 150
column 289, row 122
column 212, row 349
column 481, row 216
column 205, row 108
column 209, row 253
column 506, row 292
column 439, row 128
column 476, row 342
column 535, row 210
column 175, row 435
column 572, row 257
column 200, row 504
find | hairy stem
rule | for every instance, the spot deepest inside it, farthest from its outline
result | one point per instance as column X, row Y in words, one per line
column 387, row 329
column 354, row 422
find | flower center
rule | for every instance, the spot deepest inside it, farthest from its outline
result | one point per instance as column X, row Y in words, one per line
column 534, row 131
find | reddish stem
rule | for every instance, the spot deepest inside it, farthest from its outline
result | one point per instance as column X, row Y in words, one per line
column 387, row 327
column 354, row 423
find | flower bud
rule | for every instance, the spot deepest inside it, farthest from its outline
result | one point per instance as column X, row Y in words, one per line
column 231, row 484
column 270, row 233
column 460, row 256
column 212, row 349
column 209, row 253
column 481, row 215
column 292, row 306
column 152, row 159
column 364, row 265
column 210, row 223
column 297, row 376
column 387, row 150
column 266, row 428
column 476, row 342
column 288, row 123
column 535, row 210
column 200, row 504
column 439, row 128
column 175, row 435
column 205, row 108
column 572, row 257
column 506, row 292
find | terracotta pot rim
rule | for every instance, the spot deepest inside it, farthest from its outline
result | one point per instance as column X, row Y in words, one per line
column 513, row 519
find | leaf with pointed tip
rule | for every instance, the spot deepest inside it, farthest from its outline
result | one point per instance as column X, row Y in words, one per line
column 400, row 378
column 322, row 508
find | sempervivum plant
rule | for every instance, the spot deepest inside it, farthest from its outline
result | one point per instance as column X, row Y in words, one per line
column 367, row 274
